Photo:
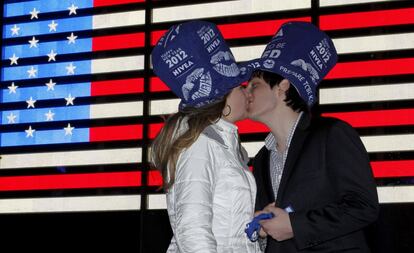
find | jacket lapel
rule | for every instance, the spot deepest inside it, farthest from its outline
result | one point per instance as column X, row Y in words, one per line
column 263, row 164
column 267, row 178
column 299, row 137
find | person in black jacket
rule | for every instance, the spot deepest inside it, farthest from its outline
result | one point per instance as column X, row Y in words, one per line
column 313, row 173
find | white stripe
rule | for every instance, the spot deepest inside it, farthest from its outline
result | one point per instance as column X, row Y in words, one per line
column 116, row 64
column 374, row 43
column 227, row 8
column 384, row 143
column 71, row 204
column 167, row 106
column 386, row 194
column 156, row 201
column 71, row 158
column 343, row 45
column 378, row 143
column 396, row 194
column 247, row 53
column 253, row 148
column 119, row 19
column 116, row 110
column 371, row 93
column 325, row 3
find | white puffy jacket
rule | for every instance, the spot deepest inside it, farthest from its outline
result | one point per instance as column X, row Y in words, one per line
column 213, row 196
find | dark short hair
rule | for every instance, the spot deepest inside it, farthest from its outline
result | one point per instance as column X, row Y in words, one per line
column 293, row 100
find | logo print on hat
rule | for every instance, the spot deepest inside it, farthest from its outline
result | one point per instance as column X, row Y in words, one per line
column 219, row 60
column 204, row 84
column 269, row 63
column 278, row 34
column 306, row 67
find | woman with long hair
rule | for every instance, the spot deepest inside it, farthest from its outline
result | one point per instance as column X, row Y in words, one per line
column 210, row 190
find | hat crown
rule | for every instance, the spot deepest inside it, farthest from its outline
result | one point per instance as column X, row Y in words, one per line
column 193, row 59
column 301, row 53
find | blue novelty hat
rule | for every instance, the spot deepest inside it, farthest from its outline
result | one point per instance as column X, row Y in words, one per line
column 301, row 53
column 193, row 59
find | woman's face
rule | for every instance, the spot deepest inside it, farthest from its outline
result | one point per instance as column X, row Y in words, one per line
column 237, row 101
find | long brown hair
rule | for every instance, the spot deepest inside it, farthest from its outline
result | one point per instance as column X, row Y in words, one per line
column 165, row 150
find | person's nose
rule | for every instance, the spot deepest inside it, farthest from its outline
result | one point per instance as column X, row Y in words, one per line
column 244, row 89
column 248, row 94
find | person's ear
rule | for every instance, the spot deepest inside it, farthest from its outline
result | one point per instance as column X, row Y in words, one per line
column 284, row 85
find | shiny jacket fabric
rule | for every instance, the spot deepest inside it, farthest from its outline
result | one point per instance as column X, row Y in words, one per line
column 213, row 196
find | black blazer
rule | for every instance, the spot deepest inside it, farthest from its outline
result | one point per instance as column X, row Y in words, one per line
column 328, row 181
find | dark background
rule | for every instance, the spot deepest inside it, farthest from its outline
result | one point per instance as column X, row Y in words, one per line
column 123, row 231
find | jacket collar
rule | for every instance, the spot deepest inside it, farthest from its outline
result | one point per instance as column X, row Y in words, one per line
column 220, row 131
column 225, row 126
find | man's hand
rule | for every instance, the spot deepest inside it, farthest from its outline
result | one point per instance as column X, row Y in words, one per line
column 262, row 233
column 279, row 227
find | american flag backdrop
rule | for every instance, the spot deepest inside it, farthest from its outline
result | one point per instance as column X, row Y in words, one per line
column 80, row 103
column 72, row 105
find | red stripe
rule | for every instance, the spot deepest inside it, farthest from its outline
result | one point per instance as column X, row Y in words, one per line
column 154, row 129
column 376, row 118
column 255, row 29
column 156, row 85
column 243, row 30
column 113, row 87
column 372, row 68
column 154, row 178
column 156, row 35
column 111, row 42
column 97, row 3
column 367, row 19
column 380, row 169
column 250, row 126
column 113, row 133
column 245, row 126
column 402, row 168
column 71, row 181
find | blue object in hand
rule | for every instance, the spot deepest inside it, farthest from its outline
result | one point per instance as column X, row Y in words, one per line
column 253, row 228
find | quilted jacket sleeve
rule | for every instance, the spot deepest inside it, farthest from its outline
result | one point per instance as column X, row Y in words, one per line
column 194, row 187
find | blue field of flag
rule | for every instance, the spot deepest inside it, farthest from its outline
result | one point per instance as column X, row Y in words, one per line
column 44, row 6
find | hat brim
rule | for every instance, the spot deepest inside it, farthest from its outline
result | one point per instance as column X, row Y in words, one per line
column 229, row 85
column 296, row 76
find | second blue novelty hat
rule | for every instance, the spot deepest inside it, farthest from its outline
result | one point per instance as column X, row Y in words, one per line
column 195, row 62
column 301, row 53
